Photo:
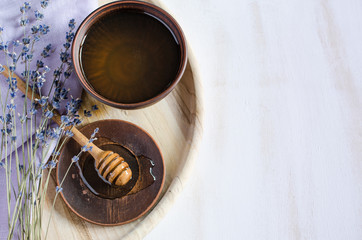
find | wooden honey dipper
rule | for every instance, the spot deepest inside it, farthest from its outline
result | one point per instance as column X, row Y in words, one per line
column 110, row 165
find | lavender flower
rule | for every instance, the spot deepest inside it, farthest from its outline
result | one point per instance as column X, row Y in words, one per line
column 49, row 114
column 16, row 43
column 58, row 189
column 40, row 135
column 94, row 133
column 38, row 15
column 44, row 3
column 67, row 73
column 55, row 134
column 24, row 21
column 65, row 119
column 73, row 106
column 57, row 73
column 4, row 47
column 22, row 118
column 26, row 6
column 85, row 148
column 39, row 64
column 12, row 68
column 71, row 24
column 76, row 121
column 44, row 29
column 87, row 113
column 29, row 57
column 64, row 56
column 11, row 106
column 40, row 82
column 56, row 104
column 46, row 51
column 95, row 107
column 12, row 93
column 33, row 110
column 43, row 100
column 25, row 40
column 75, row 159
column 69, row 37
column 56, row 153
column 35, row 29
column 52, row 164
column 69, row 133
column 8, row 118
column 63, row 94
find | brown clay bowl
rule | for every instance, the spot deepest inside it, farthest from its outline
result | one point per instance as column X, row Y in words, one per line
column 134, row 6
column 77, row 190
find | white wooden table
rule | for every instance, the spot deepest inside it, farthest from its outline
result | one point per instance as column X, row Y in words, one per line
column 281, row 156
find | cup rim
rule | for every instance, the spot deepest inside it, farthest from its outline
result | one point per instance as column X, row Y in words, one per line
column 92, row 17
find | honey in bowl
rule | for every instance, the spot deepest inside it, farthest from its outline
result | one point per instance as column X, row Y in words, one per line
column 129, row 56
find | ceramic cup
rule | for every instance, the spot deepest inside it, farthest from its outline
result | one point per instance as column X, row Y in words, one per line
column 126, row 6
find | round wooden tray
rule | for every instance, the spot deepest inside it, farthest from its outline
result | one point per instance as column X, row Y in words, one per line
column 176, row 125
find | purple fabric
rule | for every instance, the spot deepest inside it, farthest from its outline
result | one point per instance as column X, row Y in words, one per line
column 57, row 16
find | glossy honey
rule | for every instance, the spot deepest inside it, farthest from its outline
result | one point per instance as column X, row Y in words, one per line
column 129, row 56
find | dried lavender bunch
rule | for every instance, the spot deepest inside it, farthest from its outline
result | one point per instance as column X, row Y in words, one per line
column 28, row 171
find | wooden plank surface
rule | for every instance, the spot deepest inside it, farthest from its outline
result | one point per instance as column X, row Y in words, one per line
column 283, row 121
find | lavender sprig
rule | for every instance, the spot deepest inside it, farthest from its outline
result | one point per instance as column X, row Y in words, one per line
column 19, row 54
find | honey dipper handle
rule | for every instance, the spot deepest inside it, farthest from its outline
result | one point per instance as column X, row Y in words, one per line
column 78, row 136
column 96, row 152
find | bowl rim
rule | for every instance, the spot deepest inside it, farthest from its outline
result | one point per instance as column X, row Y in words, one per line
column 92, row 17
